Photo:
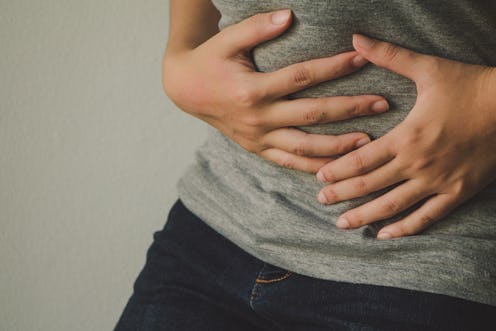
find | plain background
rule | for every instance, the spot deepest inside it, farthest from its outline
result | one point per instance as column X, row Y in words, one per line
column 90, row 153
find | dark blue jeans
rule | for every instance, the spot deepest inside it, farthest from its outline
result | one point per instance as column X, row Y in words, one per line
column 195, row 279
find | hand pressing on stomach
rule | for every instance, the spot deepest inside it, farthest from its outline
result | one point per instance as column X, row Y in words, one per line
column 442, row 154
column 218, row 83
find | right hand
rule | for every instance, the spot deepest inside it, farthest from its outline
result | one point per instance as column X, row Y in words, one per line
column 218, row 83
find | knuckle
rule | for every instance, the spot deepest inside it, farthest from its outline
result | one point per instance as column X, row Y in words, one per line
column 459, row 189
column 250, row 146
column 358, row 163
column 245, row 96
column 426, row 220
column 288, row 163
column 252, row 134
column 339, row 69
column 360, row 185
column 301, row 75
column 390, row 207
column 402, row 229
column 421, row 163
column 340, row 145
column 342, row 69
column 254, row 119
column 355, row 109
column 328, row 174
column 391, row 52
column 301, row 148
column 315, row 116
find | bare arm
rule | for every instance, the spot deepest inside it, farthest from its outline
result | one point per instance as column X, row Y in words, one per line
column 192, row 22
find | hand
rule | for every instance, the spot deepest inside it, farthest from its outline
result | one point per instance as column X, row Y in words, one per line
column 218, row 83
column 442, row 154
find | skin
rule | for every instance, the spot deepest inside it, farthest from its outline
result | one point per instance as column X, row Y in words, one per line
column 212, row 77
column 442, row 152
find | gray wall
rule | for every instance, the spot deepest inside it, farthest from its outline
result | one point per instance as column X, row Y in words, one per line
column 90, row 153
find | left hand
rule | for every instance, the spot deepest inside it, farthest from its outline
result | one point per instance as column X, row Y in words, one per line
column 443, row 153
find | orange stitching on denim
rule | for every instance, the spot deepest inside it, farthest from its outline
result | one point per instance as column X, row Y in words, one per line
column 255, row 289
column 260, row 280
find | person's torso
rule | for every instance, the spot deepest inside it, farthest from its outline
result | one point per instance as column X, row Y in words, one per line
column 273, row 213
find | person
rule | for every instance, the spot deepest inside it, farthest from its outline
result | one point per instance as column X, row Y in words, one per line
column 303, row 213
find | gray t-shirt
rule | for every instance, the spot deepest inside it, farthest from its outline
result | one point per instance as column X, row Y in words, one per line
column 272, row 212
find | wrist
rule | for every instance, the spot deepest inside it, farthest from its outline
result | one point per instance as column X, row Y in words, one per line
column 487, row 89
column 491, row 92
column 177, row 49
column 172, row 72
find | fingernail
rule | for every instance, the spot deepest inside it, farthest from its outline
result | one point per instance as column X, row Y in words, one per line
column 380, row 106
column 322, row 198
column 363, row 41
column 281, row 16
column 321, row 177
column 384, row 236
column 361, row 142
column 359, row 61
column 342, row 223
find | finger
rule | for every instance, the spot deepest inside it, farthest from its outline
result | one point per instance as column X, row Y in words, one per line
column 403, row 61
column 430, row 212
column 292, row 161
column 301, row 75
column 311, row 111
column 252, row 31
column 387, row 205
column 298, row 142
column 359, row 186
column 357, row 162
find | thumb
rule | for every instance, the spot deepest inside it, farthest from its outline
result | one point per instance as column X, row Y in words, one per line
column 400, row 60
column 252, row 31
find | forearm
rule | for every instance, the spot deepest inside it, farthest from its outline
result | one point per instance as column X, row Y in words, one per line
column 192, row 22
